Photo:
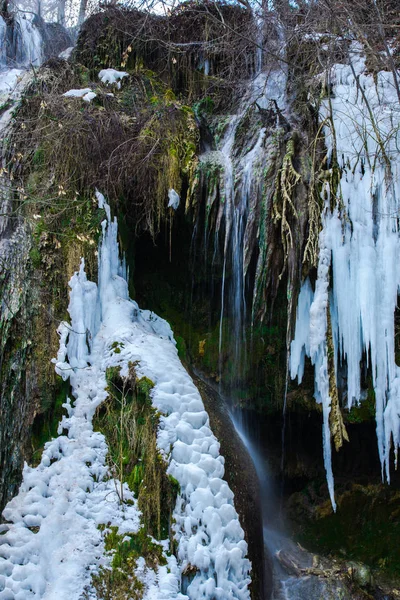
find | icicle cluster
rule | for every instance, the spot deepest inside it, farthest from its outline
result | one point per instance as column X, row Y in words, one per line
column 23, row 46
column 358, row 272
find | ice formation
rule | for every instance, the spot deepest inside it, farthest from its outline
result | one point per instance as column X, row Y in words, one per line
column 360, row 240
column 52, row 544
column 112, row 77
column 173, row 199
column 240, row 185
column 23, row 46
column 3, row 39
column 85, row 93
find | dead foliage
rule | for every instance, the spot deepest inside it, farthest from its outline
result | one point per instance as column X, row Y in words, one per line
column 133, row 145
column 198, row 47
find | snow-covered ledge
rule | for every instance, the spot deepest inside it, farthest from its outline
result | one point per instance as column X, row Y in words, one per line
column 53, row 544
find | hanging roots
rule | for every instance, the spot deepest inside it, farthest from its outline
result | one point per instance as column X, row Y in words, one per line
column 286, row 181
column 336, row 424
column 314, row 216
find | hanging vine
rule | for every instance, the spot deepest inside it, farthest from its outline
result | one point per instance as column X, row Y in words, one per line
column 285, row 182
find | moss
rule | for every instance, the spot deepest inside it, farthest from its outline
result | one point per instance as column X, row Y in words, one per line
column 120, row 582
column 116, row 347
column 181, row 347
column 35, row 257
column 130, row 423
column 366, row 526
column 365, row 411
column 205, row 106
column 38, row 158
column 46, row 423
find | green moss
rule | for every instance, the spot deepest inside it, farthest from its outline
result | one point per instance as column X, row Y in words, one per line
column 36, row 257
column 120, row 582
column 46, row 423
column 181, row 347
column 39, row 156
column 130, row 423
column 205, row 106
column 365, row 411
column 366, row 527
column 143, row 388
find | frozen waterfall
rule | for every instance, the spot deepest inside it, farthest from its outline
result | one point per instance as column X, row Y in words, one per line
column 52, row 543
column 358, row 273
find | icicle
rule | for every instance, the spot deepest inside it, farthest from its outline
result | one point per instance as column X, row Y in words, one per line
column 28, row 41
column 300, row 347
column 3, row 41
column 364, row 244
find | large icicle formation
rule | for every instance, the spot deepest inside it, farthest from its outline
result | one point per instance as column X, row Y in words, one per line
column 52, row 543
column 240, row 181
column 22, row 46
column 360, row 244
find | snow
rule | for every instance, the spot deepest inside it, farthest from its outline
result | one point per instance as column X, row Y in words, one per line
column 112, row 77
column 360, row 239
column 174, row 199
column 67, row 53
column 9, row 80
column 89, row 96
column 85, row 93
column 71, row 492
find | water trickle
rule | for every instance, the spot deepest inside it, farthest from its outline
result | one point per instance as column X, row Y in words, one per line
column 240, row 189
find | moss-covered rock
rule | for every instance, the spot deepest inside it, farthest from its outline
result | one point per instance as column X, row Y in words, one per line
column 129, row 423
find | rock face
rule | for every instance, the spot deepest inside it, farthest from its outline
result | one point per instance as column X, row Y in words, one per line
column 242, row 478
column 55, row 38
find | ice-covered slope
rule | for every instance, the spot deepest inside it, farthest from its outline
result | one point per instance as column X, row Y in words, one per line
column 360, row 243
column 52, row 543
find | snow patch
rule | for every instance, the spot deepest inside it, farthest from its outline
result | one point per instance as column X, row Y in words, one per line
column 66, row 54
column 112, row 77
column 85, row 93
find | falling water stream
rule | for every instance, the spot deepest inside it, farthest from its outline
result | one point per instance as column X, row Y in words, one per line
column 290, row 562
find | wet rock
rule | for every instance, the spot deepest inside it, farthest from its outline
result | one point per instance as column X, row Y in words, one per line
column 360, row 574
column 242, row 479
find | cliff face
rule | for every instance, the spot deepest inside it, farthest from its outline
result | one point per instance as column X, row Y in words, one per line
column 250, row 139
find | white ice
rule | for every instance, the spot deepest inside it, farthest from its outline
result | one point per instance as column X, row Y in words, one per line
column 112, row 77
column 361, row 242
column 173, row 199
column 70, row 493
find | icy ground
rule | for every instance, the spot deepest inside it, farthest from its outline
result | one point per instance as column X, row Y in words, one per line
column 52, row 544
column 360, row 246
